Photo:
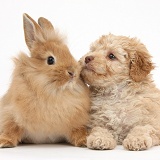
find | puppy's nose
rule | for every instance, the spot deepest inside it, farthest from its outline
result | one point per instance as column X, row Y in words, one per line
column 88, row 59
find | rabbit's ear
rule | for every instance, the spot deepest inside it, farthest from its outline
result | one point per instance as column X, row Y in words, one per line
column 47, row 28
column 45, row 24
column 32, row 31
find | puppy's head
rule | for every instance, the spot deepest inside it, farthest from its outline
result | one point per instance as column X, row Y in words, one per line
column 114, row 59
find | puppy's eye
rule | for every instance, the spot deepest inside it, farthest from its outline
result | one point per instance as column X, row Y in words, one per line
column 50, row 60
column 111, row 56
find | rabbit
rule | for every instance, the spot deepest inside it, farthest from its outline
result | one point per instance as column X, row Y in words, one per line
column 47, row 102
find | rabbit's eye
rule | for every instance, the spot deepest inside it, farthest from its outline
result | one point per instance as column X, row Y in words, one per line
column 50, row 60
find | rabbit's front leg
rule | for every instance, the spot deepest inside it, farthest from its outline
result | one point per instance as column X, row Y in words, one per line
column 10, row 135
column 78, row 137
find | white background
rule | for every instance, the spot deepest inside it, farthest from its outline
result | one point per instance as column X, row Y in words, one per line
column 82, row 21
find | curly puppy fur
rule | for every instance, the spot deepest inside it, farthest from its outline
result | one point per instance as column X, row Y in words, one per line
column 125, row 102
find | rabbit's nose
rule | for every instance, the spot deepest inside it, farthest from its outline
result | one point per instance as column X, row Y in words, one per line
column 71, row 74
column 88, row 59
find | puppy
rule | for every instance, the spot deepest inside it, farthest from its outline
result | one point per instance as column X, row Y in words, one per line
column 125, row 102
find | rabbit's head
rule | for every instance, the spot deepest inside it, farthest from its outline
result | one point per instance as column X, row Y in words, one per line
column 50, row 57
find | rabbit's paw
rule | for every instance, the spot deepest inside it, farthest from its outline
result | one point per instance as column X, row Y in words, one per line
column 6, row 143
column 80, row 142
column 78, row 137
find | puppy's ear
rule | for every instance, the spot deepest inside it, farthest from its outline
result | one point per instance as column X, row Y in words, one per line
column 140, row 65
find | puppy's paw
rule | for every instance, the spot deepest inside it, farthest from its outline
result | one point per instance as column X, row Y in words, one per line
column 100, row 142
column 6, row 143
column 137, row 143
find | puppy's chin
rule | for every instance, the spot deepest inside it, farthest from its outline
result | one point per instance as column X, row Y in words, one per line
column 92, row 78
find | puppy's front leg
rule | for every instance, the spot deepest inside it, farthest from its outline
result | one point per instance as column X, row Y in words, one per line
column 141, row 138
column 101, row 139
column 10, row 135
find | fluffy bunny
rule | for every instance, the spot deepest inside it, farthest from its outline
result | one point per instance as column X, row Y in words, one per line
column 47, row 102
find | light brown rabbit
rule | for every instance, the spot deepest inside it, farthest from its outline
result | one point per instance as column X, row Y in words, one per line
column 47, row 102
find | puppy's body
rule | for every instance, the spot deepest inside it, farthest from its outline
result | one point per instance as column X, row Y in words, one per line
column 125, row 102
column 123, row 107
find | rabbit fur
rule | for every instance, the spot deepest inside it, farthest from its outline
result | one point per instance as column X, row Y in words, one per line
column 45, row 103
